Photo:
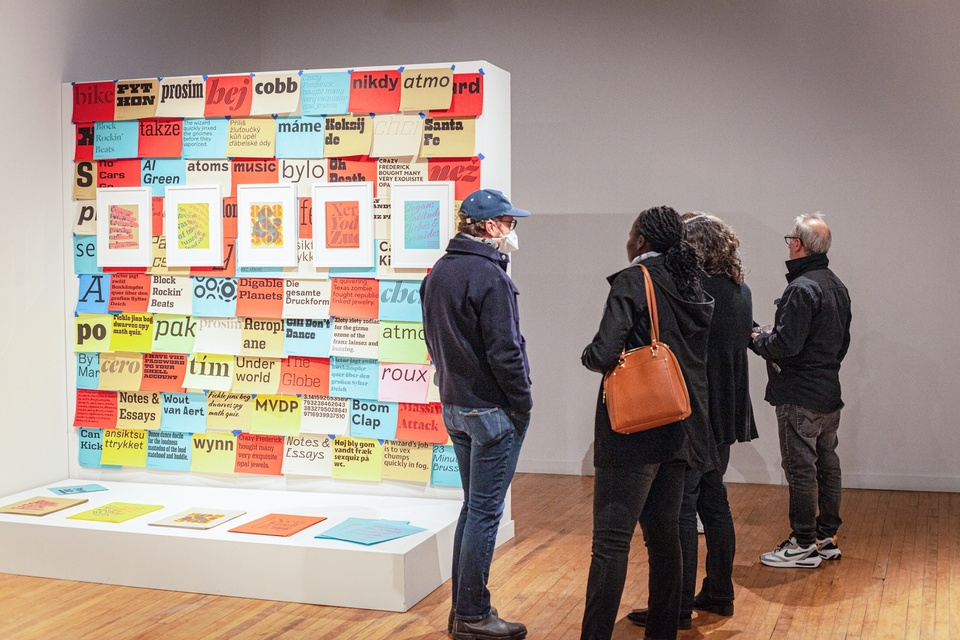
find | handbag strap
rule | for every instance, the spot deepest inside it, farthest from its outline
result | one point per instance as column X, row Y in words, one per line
column 651, row 306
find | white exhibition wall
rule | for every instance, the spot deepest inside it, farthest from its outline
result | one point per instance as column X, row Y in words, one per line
column 756, row 111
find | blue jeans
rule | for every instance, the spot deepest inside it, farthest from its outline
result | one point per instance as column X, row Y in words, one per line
column 705, row 493
column 808, row 448
column 487, row 442
column 622, row 497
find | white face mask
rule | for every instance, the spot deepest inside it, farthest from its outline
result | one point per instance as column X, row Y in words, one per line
column 510, row 242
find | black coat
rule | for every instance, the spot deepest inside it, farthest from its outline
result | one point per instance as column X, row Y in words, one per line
column 728, row 378
column 683, row 327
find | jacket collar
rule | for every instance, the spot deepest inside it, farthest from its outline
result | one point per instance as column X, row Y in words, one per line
column 799, row 266
column 462, row 244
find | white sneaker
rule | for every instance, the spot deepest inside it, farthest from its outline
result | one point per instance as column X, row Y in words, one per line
column 699, row 524
column 790, row 554
column 828, row 549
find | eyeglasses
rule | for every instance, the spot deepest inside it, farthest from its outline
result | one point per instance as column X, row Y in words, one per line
column 512, row 224
column 789, row 239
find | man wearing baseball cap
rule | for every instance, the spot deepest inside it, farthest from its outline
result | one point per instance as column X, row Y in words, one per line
column 472, row 328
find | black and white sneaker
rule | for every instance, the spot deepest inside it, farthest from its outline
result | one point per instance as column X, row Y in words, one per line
column 828, row 549
column 792, row 555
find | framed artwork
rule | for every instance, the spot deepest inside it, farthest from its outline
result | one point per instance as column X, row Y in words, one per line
column 193, row 226
column 343, row 224
column 267, row 225
column 124, row 225
column 421, row 222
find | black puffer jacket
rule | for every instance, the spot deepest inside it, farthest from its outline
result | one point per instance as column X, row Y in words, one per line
column 683, row 327
column 810, row 337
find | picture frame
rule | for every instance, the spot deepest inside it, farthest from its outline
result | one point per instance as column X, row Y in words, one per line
column 124, row 226
column 343, row 224
column 267, row 225
column 421, row 222
column 193, row 225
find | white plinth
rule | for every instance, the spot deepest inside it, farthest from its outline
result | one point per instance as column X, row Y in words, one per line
column 391, row 576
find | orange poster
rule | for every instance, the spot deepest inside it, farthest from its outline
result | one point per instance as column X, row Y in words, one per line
column 96, row 409
column 259, row 297
column 84, row 146
column 156, row 223
column 342, row 224
column 228, row 96
column 229, row 217
column 160, row 138
column 375, row 91
column 118, row 173
column 129, row 292
column 421, row 423
column 278, row 524
column 354, row 298
column 464, row 172
column 302, row 375
column 305, row 207
column 163, row 372
column 259, row 454
column 467, row 97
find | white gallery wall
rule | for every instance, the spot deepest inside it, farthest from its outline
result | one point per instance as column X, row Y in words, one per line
column 755, row 111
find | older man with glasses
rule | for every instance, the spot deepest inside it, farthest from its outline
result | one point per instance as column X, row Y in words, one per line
column 809, row 339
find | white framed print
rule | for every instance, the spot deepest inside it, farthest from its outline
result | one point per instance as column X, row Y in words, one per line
column 193, row 225
column 267, row 225
column 421, row 221
column 343, row 224
column 124, row 226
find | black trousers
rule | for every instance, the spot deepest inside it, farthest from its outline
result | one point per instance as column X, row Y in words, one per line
column 620, row 499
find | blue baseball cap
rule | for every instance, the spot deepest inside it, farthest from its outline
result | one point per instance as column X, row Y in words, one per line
column 489, row 203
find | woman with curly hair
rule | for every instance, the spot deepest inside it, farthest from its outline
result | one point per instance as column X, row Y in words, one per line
column 640, row 476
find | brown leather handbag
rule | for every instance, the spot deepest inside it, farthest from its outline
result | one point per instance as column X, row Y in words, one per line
column 646, row 389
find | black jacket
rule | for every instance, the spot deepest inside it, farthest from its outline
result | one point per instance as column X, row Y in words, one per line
column 683, row 327
column 472, row 327
column 810, row 337
column 728, row 377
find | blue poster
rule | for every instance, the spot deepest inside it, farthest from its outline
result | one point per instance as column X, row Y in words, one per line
column 300, row 137
column 184, row 412
column 94, row 293
column 214, row 297
column 354, row 378
column 85, row 255
column 88, row 370
column 323, row 94
column 115, row 139
column 205, row 138
column 307, row 337
column 91, row 445
column 445, row 471
column 159, row 173
column 400, row 300
column 168, row 450
column 373, row 420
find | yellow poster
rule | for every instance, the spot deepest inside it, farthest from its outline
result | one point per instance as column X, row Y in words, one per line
column 229, row 411
column 84, row 180
column 93, row 332
column 132, row 332
column 347, row 136
column 213, row 452
column 262, row 338
column 120, row 371
column 409, row 461
column 124, row 447
column 251, row 138
column 134, row 99
column 208, row 371
column 193, row 225
column 277, row 415
column 256, row 375
column 138, row 410
column 357, row 459
column 425, row 89
column 402, row 342
column 448, row 137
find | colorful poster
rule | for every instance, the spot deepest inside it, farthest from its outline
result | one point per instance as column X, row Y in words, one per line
column 120, row 371
column 425, row 89
column 85, row 255
column 199, row 518
column 115, row 174
column 306, row 298
column 174, row 334
column 218, row 335
column 463, row 172
column 214, row 297
column 138, row 410
column 347, row 136
column 467, row 97
column 300, row 137
column 354, row 298
column 251, row 138
column 181, row 97
column 403, row 382
column 94, row 291
column 132, row 332
column 203, row 138
column 256, row 375
column 160, row 138
column 449, row 138
column 163, row 372
column 370, row 531
column 276, row 414
column 305, row 337
column 376, row 420
column 396, row 135
column 354, row 378
column 83, row 146
column 353, row 169
column 357, row 459
column 124, row 447
column 91, row 445
column 88, row 370
column 207, row 371
column 261, row 454
column 308, row 456
column 85, row 218
column 229, row 411
column 375, row 91
column 278, row 524
column 96, row 409
column 300, row 375
column 252, row 171
column 171, row 294
column 130, row 292
column 400, row 300
column 267, row 225
column 407, row 461
column 184, row 412
column 117, row 512
column 93, row 331
column 163, row 172
column 93, row 101
column 421, row 229
column 228, row 96
column 275, row 93
column 325, row 415
column 445, row 471
column 213, row 453
column 422, row 423
column 322, row 94
column 84, row 181
column 124, row 227
column 353, row 338
column 113, row 140
column 135, row 99
column 403, row 342
column 168, row 450
column 261, row 338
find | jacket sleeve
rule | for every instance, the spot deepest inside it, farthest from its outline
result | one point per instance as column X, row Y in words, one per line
column 603, row 353
column 500, row 331
column 792, row 325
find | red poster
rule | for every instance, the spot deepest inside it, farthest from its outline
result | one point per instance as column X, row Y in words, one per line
column 96, row 409
column 163, row 372
column 84, row 147
column 130, row 292
column 156, row 227
column 421, row 423
column 301, row 375
column 253, row 171
column 93, row 101
column 229, row 217
column 374, row 91
column 465, row 172
column 160, row 138
column 118, row 173
column 353, row 169
column 467, row 97
column 259, row 454
column 228, row 96
column 354, row 298
column 305, row 206
column 259, row 297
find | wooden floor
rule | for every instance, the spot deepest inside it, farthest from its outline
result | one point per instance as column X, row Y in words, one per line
column 899, row 578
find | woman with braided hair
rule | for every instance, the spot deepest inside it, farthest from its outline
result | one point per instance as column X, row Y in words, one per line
column 640, row 476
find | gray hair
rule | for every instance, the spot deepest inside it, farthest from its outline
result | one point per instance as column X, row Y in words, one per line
column 813, row 232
